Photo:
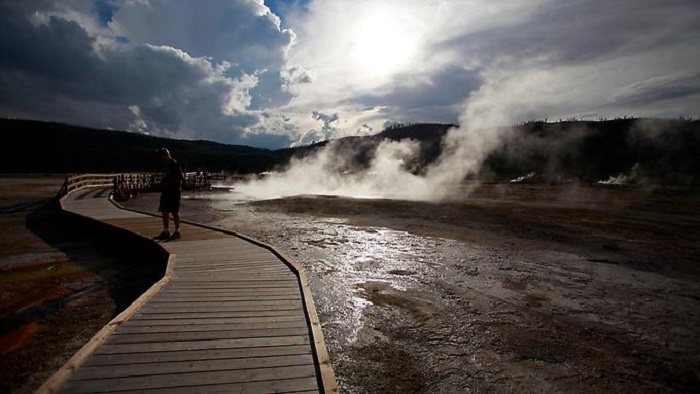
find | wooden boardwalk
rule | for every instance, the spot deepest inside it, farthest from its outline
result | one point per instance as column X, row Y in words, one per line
column 229, row 316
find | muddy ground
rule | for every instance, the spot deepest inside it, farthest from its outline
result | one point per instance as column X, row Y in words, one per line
column 61, row 280
column 515, row 288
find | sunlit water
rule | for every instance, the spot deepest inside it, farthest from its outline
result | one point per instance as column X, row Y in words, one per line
column 342, row 259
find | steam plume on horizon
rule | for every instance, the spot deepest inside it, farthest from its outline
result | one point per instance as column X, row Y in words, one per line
column 389, row 172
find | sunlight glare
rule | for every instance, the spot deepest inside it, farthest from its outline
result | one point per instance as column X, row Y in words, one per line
column 382, row 45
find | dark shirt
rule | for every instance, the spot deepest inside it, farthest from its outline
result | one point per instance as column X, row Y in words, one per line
column 172, row 177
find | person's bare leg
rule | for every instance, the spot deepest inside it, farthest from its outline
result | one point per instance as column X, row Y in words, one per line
column 176, row 219
column 166, row 221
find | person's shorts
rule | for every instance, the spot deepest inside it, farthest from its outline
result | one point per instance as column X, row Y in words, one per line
column 169, row 202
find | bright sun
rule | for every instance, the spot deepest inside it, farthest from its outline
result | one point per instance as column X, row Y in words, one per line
column 382, row 45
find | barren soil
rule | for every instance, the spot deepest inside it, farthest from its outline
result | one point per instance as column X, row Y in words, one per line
column 61, row 280
column 516, row 288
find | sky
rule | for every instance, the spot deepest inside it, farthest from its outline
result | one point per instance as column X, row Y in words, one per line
column 281, row 73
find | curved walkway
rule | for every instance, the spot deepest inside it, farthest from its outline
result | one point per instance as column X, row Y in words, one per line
column 230, row 315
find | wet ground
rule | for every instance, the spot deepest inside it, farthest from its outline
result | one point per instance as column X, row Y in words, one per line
column 61, row 281
column 517, row 288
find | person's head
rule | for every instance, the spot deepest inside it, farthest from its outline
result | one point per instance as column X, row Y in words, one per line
column 163, row 155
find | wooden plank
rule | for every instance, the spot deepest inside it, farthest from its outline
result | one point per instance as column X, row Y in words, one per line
column 248, row 270
column 235, row 276
column 214, row 300
column 238, row 292
column 207, row 321
column 187, row 336
column 248, row 297
column 263, row 268
column 223, row 304
column 243, row 281
column 193, row 355
column 269, row 386
column 224, row 255
column 151, row 315
column 237, row 343
column 224, row 308
column 229, row 261
column 261, row 272
column 248, row 280
column 185, row 283
column 191, row 379
column 218, row 245
column 224, row 288
column 208, row 252
column 150, row 329
column 179, row 367
column 188, row 259
column 266, row 269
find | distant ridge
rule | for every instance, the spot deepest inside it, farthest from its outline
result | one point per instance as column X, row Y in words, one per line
column 626, row 150
column 46, row 147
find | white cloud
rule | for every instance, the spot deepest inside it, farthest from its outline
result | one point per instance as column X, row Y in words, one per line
column 243, row 32
column 232, row 71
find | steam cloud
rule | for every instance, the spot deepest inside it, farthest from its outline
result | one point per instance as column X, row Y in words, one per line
column 329, row 171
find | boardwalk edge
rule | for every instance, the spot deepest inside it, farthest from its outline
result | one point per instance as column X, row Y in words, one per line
column 60, row 377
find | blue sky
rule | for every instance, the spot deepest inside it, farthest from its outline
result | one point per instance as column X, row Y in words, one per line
column 281, row 73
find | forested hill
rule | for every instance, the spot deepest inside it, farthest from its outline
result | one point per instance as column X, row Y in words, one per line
column 41, row 147
column 659, row 151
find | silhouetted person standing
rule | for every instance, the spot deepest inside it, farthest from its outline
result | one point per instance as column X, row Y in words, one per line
column 171, row 189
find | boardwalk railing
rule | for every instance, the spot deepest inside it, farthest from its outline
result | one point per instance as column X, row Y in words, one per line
column 128, row 185
column 85, row 180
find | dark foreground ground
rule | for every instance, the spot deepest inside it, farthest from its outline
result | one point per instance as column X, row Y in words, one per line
column 61, row 280
column 517, row 288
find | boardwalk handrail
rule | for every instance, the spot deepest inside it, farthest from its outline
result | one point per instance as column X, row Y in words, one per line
column 127, row 185
column 124, row 185
column 84, row 180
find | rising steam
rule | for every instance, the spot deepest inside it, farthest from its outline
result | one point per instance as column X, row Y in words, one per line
column 328, row 172
column 389, row 173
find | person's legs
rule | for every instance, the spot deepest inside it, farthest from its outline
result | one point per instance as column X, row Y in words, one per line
column 170, row 204
column 176, row 215
column 166, row 221
column 165, row 234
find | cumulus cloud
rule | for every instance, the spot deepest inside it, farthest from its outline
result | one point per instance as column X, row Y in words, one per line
column 244, row 32
column 233, row 71
column 57, row 67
